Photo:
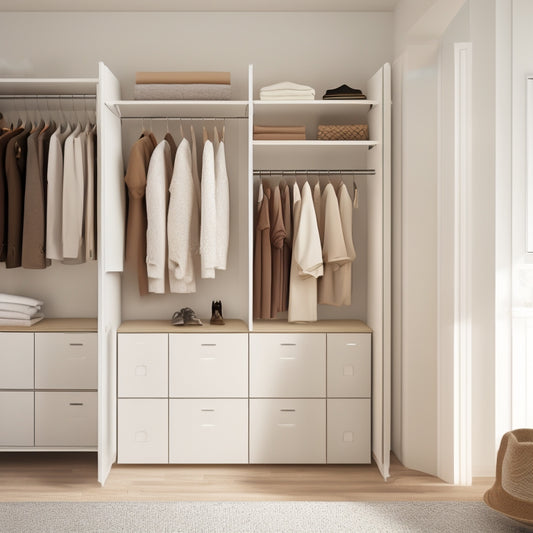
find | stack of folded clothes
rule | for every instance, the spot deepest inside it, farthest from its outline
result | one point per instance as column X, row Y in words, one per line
column 279, row 133
column 19, row 310
column 286, row 90
column 182, row 86
column 344, row 92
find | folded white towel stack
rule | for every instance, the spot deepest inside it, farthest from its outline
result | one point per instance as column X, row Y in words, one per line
column 287, row 90
column 19, row 310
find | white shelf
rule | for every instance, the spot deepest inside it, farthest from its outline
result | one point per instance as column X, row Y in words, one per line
column 179, row 108
column 47, row 86
column 314, row 103
column 315, row 143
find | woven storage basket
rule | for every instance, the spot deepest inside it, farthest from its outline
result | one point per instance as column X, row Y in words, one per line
column 343, row 132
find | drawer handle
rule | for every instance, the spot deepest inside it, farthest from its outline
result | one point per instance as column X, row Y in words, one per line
column 75, row 403
column 76, row 344
column 207, row 410
column 288, row 357
column 288, row 410
column 208, row 344
column 352, row 344
column 208, row 425
column 287, row 344
column 286, row 425
column 207, row 357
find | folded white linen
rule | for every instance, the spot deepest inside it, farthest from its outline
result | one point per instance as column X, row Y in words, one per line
column 294, row 96
column 17, row 322
column 287, row 85
column 20, row 308
column 15, row 299
column 19, row 316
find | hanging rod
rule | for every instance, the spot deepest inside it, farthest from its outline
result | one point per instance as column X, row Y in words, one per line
column 47, row 96
column 316, row 172
column 181, row 118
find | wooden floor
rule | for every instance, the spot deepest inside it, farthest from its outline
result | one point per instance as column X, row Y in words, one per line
column 72, row 477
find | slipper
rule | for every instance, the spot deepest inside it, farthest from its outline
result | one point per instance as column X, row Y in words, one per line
column 190, row 317
column 177, row 318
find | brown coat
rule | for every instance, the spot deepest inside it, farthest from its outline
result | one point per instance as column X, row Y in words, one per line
column 135, row 179
column 262, row 261
column 16, row 181
column 277, row 240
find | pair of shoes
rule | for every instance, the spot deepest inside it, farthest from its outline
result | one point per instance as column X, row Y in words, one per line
column 216, row 313
column 185, row 317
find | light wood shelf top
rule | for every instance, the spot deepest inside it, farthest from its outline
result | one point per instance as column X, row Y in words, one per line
column 58, row 325
column 165, row 326
column 321, row 326
column 314, row 143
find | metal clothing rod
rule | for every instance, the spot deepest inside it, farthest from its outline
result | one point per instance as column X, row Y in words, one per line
column 316, row 172
column 181, row 118
column 47, row 97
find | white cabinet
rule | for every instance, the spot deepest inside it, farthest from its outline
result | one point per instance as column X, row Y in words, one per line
column 66, row 361
column 16, row 418
column 209, row 366
column 143, row 431
column 208, row 431
column 16, row 360
column 287, row 365
column 143, row 365
column 287, row 431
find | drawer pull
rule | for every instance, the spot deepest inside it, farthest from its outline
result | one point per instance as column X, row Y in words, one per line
column 352, row 344
column 207, row 410
column 75, row 403
column 208, row 425
column 207, row 357
column 286, row 425
column 287, row 344
column 288, row 357
column 288, row 410
column 208, row 344
column 76, row 344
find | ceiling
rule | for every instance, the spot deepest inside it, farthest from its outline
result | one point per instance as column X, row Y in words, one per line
column 198, row 5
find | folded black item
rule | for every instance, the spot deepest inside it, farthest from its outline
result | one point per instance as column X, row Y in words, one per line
column 344, row 92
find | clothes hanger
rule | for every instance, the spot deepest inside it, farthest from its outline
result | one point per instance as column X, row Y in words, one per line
column 355, row 194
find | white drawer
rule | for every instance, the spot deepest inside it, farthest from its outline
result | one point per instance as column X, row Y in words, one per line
column 16, row 360
column 66, row 418
column 288, row 431
column 287, row 365
column 209, row 431
column 66, row 361
column 349, row 431
column 143, row 365
column 349, row 365
column 16, row 418
column 209, row 365
column 143, row 431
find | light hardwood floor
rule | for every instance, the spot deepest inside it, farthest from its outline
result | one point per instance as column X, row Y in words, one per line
column 72, row 477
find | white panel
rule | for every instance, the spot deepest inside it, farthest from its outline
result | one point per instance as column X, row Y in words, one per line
column 16, row 360
column 208, row 431
column 143, row 365
column 348, row 431
column 209, row 365
column 66, row 361
column 110, row 207
column 143, row 431
column 16, row 418
column 66, row 418
column 289, row 365
column 288, row 431
column 349, row 365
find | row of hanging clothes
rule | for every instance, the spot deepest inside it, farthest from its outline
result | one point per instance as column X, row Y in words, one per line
column 48, row 188
column 178, row 214
column 303, row 248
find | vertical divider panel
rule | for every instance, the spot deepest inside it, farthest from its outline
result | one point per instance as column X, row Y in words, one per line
column 251, row 211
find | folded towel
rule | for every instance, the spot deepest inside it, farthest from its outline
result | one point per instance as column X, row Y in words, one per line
column 279, row 129
column 15, row 299
column 286, row 96
column 279, row 137
column 223, row 78
column 20, row 308
column 287, row 86
column 19, row 316
column 15, row 322
column 182, row 91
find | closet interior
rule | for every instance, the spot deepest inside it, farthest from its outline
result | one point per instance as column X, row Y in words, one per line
column 214, row 394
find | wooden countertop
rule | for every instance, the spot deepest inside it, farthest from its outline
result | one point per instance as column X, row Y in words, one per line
column 165, row 326
column 320, row 326
column 58, row 325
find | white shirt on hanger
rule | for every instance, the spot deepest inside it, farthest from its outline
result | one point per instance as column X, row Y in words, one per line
column 208, row 218
column 222, row 204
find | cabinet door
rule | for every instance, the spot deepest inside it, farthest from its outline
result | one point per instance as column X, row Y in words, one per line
column 209, row 365
column 16, row 418
column 143, row 431
column 349, row 365
column 16, row 360
column 349, row 431
column 287, row 431
column 66, row 418
column 143, row 365
column 66, row 361
column 209, row 431
column 289, row 365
